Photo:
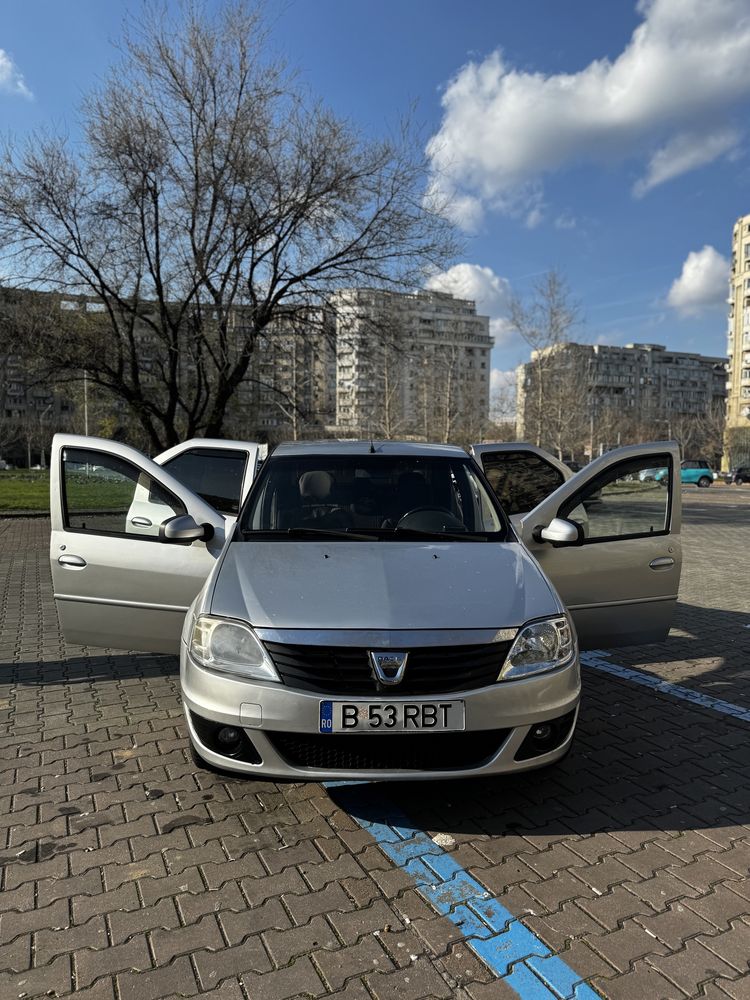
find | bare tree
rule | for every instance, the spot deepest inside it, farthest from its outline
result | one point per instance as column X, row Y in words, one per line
column 445, row 387
column 291, row 375
column 546, row 320
column 700, row 434
column 503, row 398
column 568, row 397
column 391, row 418
column 207, row 194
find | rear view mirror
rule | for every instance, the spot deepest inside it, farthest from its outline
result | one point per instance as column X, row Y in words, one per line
column 561, row 532
column 181, row 528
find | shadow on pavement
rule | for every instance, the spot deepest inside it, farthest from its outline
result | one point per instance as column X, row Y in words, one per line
column 707, row 650
column 640, row 762
column 85, row 668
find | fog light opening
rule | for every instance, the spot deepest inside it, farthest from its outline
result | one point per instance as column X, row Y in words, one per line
column 229, row 740
column 544, row 737
column 541, row 734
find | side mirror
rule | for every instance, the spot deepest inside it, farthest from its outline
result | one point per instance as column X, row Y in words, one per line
column 181, row 528
column 561, row 532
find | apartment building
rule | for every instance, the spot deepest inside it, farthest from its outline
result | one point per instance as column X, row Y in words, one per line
column 737, row 433
column 603, row 395
column 290, row 389
column 366, row 363
column 410, row 365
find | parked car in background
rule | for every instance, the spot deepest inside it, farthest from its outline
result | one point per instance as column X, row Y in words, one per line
column 738, row 476
column 695, row 471
column 371, row 612
column 650, row 475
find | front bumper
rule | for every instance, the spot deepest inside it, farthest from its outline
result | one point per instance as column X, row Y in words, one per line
column 267, row 712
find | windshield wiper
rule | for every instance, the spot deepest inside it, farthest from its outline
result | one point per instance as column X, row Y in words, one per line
column 322, row 533
column 328, row 533
column 439, row 536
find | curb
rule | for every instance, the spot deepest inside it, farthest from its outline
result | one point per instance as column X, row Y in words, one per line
column 23, row 513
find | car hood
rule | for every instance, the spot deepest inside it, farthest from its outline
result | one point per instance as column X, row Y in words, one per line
column 381, row 585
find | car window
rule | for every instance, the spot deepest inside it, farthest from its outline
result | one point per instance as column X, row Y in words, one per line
column 99, row 491
column 383, row 495
column 520, row 479
column 212, row 473
column 620, row 504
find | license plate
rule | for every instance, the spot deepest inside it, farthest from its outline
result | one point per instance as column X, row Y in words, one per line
column 391, row 717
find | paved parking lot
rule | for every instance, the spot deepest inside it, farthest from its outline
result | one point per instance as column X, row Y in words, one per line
column 623, row 873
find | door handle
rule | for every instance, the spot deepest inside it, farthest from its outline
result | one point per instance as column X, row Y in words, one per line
column 75, row 561
column 662, row 562
column 141, row 522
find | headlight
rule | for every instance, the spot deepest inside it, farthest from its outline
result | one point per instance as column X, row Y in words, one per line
column 231, row 648
column 538, row 647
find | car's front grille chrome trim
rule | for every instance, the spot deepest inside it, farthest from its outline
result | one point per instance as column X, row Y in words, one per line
column 386, row 638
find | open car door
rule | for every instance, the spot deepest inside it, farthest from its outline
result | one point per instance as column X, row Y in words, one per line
column 124, row 578
column 520, row 474
column 218, row 470
column 610, row 544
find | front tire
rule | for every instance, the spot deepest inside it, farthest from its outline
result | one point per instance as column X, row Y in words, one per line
column 704, row 482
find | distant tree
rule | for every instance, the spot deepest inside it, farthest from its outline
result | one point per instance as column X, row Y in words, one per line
column 206, row 194
column 546, row 320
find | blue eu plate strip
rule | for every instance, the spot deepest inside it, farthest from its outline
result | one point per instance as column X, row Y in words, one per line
column 498, row 938
column 326, row 716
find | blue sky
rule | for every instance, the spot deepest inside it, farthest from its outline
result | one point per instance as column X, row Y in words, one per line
column 604, row 139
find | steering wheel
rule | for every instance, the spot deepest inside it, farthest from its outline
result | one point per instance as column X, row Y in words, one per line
column 337, row 517
column 441, row 518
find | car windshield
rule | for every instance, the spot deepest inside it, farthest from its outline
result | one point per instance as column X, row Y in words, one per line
column 371, row 497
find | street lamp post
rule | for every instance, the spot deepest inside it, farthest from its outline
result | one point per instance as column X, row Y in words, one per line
column 85, row 402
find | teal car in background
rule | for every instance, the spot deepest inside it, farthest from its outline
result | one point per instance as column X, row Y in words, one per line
column 693, row 471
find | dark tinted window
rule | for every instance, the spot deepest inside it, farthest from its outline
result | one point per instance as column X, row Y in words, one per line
column 520, row 479
column 213, row 474
column 376, row 493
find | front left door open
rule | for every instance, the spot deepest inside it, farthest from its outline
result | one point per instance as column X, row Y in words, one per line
column 117, row 583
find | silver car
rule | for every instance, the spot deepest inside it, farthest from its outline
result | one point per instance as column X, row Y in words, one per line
column 372, row 611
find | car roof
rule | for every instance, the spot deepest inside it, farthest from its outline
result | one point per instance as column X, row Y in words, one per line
column 413, row 448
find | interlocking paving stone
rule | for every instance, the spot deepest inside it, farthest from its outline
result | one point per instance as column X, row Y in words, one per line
column 692, row 965
column 631, row 861
column 300, row 978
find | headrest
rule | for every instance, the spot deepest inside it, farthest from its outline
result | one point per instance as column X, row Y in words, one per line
column 315, row 484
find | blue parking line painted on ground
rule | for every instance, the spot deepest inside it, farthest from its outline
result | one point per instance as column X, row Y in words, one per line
column 500, row 939
column 600, row 660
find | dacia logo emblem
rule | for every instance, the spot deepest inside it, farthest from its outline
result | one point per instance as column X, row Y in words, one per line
column 388, row 667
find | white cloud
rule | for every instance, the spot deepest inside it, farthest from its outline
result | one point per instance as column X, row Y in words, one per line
column 534, row 218
column 685, row 68
column 490, row 292
column 566, row 221
column 685, row 152
column 11, row 78
column 702, row 283
column 464, row 210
